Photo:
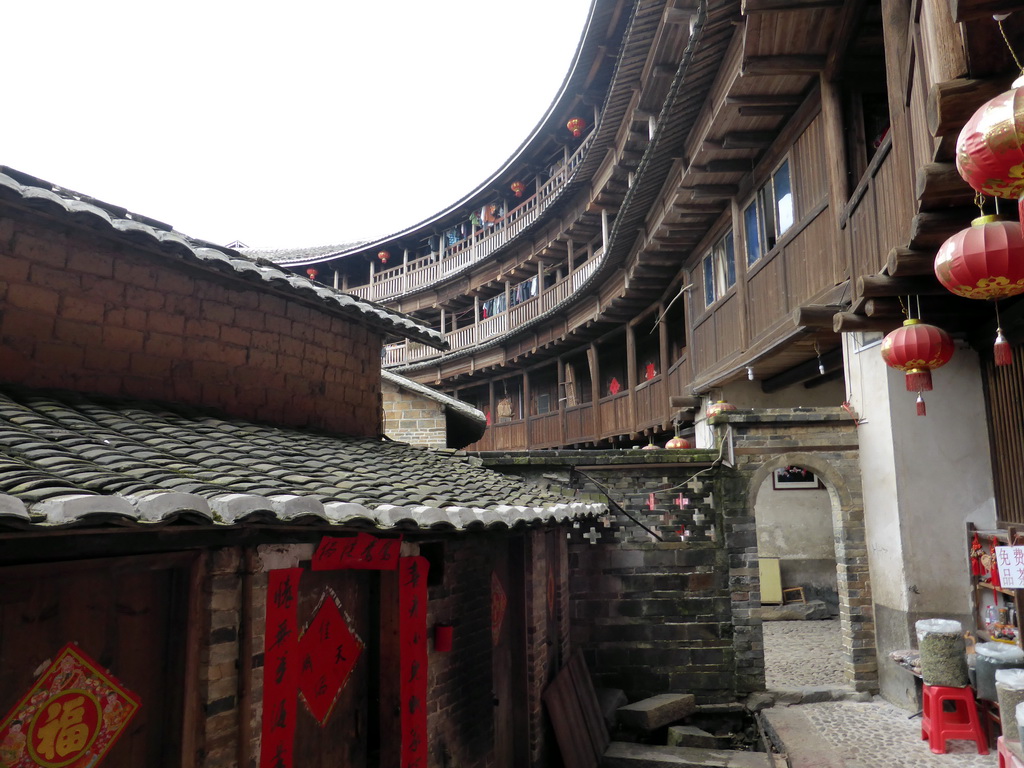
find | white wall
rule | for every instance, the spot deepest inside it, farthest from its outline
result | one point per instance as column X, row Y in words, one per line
column 795, row 525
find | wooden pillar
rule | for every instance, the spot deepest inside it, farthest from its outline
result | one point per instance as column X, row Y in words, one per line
column 335, row 279
column 525, row 389
column 571, row 256
column 835, row 158
column 652, row 126
column 604, row 228
column 631, row 377
column 663, row 345
column 508, row 296
column 476, row 319
column 442, row 321
column 405, row 270
column 595, row 387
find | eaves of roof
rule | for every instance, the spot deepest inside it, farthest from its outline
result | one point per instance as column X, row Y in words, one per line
column 67, row 460
column 21, row 189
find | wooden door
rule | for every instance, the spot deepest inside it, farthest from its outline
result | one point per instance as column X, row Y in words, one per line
column 508, row 669
column 343, row 739
column 129, row 615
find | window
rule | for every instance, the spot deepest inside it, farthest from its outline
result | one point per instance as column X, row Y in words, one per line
column 719, row 267
column 769, row 214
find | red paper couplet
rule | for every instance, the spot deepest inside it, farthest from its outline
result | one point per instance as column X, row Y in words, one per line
column 326, row 655
column 412, row 638
column 499, row 601
column 280, row 668
column 70, row 718
column 361, row 552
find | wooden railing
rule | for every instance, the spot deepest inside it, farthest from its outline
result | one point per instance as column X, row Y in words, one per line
column 489, row 328
column 650, row 403
column 427, row 270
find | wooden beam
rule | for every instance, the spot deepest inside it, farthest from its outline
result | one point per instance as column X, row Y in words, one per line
column 738, row 165
column 768, row 6
column 831, row 360
column 967, row 10
column 792, row 64
column 683, row 403
column 903, row 262
column 929, row 230
column 748, row 139
column 767, row 100
column 951, row 104
column 713, row 191
column 875, row 286
column 848, row 322
column 939, row 185
column 883, row 308
column 764, row 111
column 815, row 315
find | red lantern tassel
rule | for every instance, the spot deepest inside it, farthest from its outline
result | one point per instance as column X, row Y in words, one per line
column 1001, row 350
column 921, row 410
column 919, row 380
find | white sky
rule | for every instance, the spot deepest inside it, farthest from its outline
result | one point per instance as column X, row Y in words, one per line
column 310, row 122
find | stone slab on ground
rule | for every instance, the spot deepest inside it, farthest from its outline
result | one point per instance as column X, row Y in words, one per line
column 656, row 711
column 691, row 736
column 792, row 733
column 622, row 755
column 815, row 610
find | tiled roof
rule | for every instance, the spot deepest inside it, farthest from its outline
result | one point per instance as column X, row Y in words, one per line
column 70, row 460
column 82, row 209
column 446, row 401
column 300, row 255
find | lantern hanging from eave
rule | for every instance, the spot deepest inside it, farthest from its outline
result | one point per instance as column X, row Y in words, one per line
column 678, row 443
column 518, row 187
column 312, row 273
column 990, row 148
column 917, row 349
column 985, row 261
column 577, row 125
column 383, row 256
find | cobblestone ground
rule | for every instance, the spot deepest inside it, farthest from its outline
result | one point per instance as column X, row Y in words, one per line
column 872, row 734
column 798, row 653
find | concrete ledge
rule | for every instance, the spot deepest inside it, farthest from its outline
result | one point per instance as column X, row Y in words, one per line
column 622, row 755
column 791, row 732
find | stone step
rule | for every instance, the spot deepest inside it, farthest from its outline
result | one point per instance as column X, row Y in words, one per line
column 656, row 711
column 691, row 736
column 623, row 755
column 792, row 733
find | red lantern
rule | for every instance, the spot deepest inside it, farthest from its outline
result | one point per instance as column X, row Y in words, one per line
column 577, row 125
column 518, row 187
column 720, row 407
column 985, row 261
column 383, row 256
column 990, row 148
column 312, row 273
column 917, row 349
column 677, row 443
column 651, row 446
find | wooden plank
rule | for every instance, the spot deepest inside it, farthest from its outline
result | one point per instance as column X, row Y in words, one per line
column 952, row 103
column 587, row 696
column 791, row 64
column 569, row 724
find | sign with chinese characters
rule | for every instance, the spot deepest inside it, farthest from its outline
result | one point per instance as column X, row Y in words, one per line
column 70, row 718
column 1010, row 563
column 280, row 671
column 412, row 639
column 361, row 551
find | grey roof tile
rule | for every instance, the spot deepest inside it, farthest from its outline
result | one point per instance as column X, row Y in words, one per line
column 66, row 459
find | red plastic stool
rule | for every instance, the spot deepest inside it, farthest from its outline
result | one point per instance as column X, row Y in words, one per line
column 1006, row 758
column 963, row 722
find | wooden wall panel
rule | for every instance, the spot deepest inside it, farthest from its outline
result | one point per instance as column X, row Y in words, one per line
column 579, row 424
column 651, row 404
column 813, row 247
column 892, row 192
column 1005, row 389
column 863, row 234
column 810, row 173
column 766, row 297
column 703, row 345
column 728, row 327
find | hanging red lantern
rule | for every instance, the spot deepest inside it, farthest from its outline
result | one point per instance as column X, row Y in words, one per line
column 312, row 273
column 677, row 443
column 651, row 446
column 917, row 349
column 985, row 261
column 990, row 148
column 383, row 256
column 720, row 407
column 518, row 187
column 577, row 125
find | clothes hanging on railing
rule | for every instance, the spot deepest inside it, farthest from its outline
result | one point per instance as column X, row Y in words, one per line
column 523, row 291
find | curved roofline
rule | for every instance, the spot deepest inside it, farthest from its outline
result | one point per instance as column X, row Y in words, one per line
column 584, row 46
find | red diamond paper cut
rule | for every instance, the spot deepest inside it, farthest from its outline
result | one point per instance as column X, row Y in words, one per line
column 327, row 652
column 70, row 718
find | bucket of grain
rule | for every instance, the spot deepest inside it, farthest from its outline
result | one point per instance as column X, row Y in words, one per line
column 943, row 653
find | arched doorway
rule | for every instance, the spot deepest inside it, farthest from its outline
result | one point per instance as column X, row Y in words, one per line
column 808, row 515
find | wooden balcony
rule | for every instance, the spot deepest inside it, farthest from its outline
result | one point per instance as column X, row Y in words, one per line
column 428, row 271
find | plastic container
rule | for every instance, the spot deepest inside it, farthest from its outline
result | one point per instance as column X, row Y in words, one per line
column 1020, row 722
column 989, row 658
column 943, row 653
column 1010, row 691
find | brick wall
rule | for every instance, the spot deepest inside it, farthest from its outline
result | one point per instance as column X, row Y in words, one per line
column 656, row 616
column 413, row 419
column 219, row 660
column 82, row 312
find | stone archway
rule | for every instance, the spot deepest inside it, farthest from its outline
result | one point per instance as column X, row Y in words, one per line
column 823, row 440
